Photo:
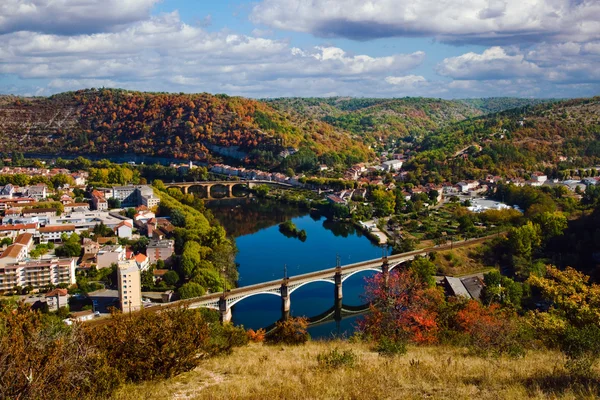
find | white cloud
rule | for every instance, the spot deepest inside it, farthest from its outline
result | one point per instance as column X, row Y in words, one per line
column 408, row 80
column 163, row 53
column 70, row 16
column 493, row 63
column 460, row 21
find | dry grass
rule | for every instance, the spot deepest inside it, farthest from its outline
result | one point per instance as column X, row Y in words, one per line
column 461, row 261
column 273, row 372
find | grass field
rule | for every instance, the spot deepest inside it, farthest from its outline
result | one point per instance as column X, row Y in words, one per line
column 438, row 372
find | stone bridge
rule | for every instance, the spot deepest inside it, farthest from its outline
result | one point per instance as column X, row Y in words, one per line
column 228, row 185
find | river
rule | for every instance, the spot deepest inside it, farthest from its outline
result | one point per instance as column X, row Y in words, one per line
column 264, row 252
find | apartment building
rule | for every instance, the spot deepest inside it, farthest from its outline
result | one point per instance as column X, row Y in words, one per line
column 133, row 196
column 53, row 233
column 130, row 286
column 37, row 273
column 109, row 255
column 160, row 250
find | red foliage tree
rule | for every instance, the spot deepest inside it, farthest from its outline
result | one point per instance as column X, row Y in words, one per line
column 401, row 308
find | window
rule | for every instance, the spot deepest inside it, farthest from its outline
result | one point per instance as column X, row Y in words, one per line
column 125, row 297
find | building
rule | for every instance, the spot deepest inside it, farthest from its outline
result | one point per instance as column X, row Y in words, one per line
column 392, row 165
column 160, row 250
column 90, row 246
column 13, row 254
column 124, row 229
column 455, row 287
column 43, row 215
column 38, row 192
column 26, row 240
column 13, row 231
column 109, row 255
column 81, row 316
column 142, row 261
column 53, row 233
column 76, row 207
column 57, row 298
column 37, row 273
column 133, row 196
column 130, row 286
column 85, row 221
column 99, row 201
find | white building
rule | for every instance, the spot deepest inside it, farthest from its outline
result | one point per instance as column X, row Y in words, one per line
column 392, row 165
column 130, row 286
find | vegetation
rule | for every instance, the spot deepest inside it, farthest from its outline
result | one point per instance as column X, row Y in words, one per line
column 42, row 358
column 289, row 229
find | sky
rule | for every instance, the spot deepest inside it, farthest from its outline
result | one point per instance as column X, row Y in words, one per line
column 302, row 48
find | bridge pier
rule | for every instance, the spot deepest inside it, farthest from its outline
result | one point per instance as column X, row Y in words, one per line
column 338, row 284
column 286, row 302
column 224, row 311
column 385, row 270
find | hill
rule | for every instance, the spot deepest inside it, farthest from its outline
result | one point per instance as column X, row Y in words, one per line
column 490, row 105
column 194, row 126
column 551, row 137
column 381, row 118
column 274, row 372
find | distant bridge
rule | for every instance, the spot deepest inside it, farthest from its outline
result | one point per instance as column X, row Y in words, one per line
column 283, row 288
column 228, row 185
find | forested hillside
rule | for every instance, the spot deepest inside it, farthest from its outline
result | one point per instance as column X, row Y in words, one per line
column 558, row 138
column 381, row 118
column 196, row 126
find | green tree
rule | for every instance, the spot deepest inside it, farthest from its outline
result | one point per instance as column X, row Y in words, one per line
column 171, row 278
column 190, row 290
column 424, row 270
column 523, row 240
column 384, row 202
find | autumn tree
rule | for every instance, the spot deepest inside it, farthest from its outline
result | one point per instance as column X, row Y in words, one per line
column 402, row 308
column 573, row 321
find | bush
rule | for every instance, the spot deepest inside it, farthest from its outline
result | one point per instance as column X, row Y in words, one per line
column 292, row 331
column 191, row 290
column 582, row 348
column 336, row 359
column 223, row 338
column 388, row 348
column 257, row 336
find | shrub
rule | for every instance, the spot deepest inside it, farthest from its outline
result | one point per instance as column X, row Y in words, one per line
column 388, row 348
column 41, row 358
column 582, row 348
column 291, row 331
column 336, row 359
column 491, row 330
column 256, row 336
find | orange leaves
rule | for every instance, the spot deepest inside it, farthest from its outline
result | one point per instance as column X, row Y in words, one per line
column 257, row 336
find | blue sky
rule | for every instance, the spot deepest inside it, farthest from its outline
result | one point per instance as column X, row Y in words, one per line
column 272, row 48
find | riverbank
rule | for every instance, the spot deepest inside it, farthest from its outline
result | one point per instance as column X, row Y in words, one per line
column 273, row 372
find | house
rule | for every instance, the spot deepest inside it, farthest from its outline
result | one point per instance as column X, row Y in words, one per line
column 465, row 186
column 25, row 239
column 455, row 287
column 392, row 165
column 109, row 255
column 57, row 298
column 124, row 229
column 7, row 191
column 157, row 274
column 474, row 286
column 13, row 254
column 38, row 192
column 14, row 230
column 90, row 246
column 160, row 250
column 142, row 261
column 99, row 201
column 66, row 199
column 539, row 177
column 76, row 207
column 53, row 233
column 81, row 316
column 332, row 198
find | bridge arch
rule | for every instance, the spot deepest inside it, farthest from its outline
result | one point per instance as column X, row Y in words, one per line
column 360, row 270
column 234, row 302
column 306, row 283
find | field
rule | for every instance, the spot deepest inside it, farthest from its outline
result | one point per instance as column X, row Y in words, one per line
column 274, row 372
